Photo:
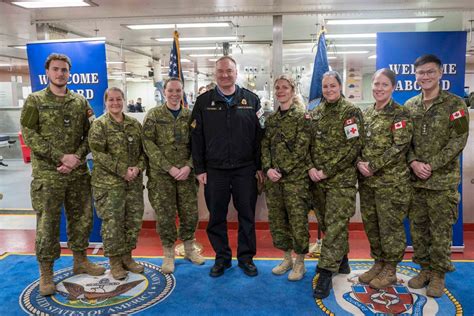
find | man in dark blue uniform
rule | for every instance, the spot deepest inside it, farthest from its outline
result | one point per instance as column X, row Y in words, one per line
column 227, row 127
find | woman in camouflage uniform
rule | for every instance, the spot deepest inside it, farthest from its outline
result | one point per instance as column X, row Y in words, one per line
column 285, row 150
column 384, row 181
column 335, row 146
column 117, row 178
column 171, row 184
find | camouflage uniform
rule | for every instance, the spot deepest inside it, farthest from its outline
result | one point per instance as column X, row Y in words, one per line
column 52, row 127
column 335, row 145
column 385, row 196
column 285, row 147
column 115, row 147
column 167, row 144
column 440, row 134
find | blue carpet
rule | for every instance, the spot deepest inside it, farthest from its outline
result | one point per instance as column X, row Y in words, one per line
column 190, row 291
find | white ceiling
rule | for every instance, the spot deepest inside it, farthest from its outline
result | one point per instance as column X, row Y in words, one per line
column 252, row 20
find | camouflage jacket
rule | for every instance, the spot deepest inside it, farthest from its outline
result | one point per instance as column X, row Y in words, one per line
column 335, row 142
column 115, row 147
column 440, row 135
column 53, row 126
column 385, row 143
column 167, row 140
column 285, row 145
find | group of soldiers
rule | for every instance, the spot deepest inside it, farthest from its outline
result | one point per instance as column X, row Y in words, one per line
column 403, row 160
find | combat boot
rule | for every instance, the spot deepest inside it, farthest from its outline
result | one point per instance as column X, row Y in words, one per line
column 421, row 279
column 344, row 268
column 387, row 277
column 116, row 268
column 298, row 271
column 168, row 260
column 285, row 265
column 436, row 286
column 131, row 265
column 191, row 254
column 324, row 284
column 46, row 286
column 83, row 265
column 369, row 275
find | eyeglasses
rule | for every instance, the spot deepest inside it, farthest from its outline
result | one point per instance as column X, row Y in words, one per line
column 429, row 73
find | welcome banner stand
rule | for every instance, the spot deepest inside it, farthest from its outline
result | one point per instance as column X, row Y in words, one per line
column 398, row 51
column 88, row 77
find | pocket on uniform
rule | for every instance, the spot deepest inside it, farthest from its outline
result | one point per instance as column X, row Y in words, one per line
column 453, row 200
column 36, row 196
column 100, row 196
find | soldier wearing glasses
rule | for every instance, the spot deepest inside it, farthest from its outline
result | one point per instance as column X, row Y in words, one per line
column 441, row 127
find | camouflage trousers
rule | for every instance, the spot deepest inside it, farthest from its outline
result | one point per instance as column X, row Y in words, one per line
column 383, row 210
column 169, row 197
column 334, row 208
column 47, row 199
column 432, row 215
column 121, row 211
column 288, row 206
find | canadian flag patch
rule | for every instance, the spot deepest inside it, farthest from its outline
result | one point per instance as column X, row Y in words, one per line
column 456, row 115
column 350, row 121
column 351, row 131
column 400, row 124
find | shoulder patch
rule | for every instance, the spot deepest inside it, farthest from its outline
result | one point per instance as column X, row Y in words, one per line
column 350, row 121
column 307, row 116
column 457, row 115
column 30, row 117
column 260, row 113
column 399, row 125
column 193, row 124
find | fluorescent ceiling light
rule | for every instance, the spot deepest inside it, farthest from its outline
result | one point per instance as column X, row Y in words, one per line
column 380, row 21
column 372, row 57
column 332, row 57
column 197, row 39
column 354, row 35
column 17, row 46
column 354, row 45
column 349, row 52
column 203, row 55
column 212, row 59
column 51, row 4
column 190, row 48
column 185, row 60
column 177, row 25
column 121, row 73
column 114, row 62
column 5, row 65
column 468, row 55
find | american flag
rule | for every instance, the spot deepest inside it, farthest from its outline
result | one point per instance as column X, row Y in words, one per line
column 175, row 70
column 175, row 59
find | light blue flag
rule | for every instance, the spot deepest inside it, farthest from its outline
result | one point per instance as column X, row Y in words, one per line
column 321, row 65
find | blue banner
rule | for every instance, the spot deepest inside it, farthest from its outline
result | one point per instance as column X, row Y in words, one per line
column 88, row 76
column 398, row 51
column 88, row 72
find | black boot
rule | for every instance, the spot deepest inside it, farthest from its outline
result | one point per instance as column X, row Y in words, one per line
column 345, row 268
column 324, row 284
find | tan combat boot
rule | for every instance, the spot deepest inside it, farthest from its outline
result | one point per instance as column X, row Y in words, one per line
column 116, row 268
column 168, row 260
column 131, row 265
column 421, row 279
column 285, row 265
column 436, row 286
column 47, row 286
column 191, row 254
column 298, row 271
column 83, row 265
column 387, row 277
column 369, row 275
